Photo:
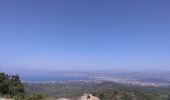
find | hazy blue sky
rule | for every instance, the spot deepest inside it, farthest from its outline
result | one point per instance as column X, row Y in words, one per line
column 84, row 35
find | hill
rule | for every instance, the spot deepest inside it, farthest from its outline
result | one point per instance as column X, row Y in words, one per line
column 105, row 91
column 12, row 87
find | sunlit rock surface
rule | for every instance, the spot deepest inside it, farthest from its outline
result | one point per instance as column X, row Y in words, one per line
column 84, row 97
column 88, row 97
column 5, row 99
column 62, row 99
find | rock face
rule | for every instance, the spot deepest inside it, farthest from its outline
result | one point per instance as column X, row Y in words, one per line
column 62, row 99
column 88, row 97
column 5, row 99
column 84, row 97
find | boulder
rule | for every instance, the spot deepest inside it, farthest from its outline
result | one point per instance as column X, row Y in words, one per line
column 5, row 99
column 62, row 99
column 88, row 97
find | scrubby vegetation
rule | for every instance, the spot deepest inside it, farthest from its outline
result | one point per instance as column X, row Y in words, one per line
column 105, row 91
column 12, row 87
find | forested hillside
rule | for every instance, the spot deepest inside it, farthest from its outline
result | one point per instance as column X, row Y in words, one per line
column 105, row 91
column 12, row 87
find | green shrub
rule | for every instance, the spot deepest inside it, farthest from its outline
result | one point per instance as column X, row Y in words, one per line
column 11, row 85
column 36, row 97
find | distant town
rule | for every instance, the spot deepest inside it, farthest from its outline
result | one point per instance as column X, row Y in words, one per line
column 126, row 78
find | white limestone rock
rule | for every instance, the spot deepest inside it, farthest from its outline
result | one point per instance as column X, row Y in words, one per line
column 62, row 99
column 5, row 99
column 88, row 97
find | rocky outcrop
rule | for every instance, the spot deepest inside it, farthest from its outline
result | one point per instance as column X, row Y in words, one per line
column 63, row 99
column 84, row 97
column 5, row 99
column 88, row 97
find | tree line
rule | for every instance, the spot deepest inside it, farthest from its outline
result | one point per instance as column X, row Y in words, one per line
column 12, row 87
